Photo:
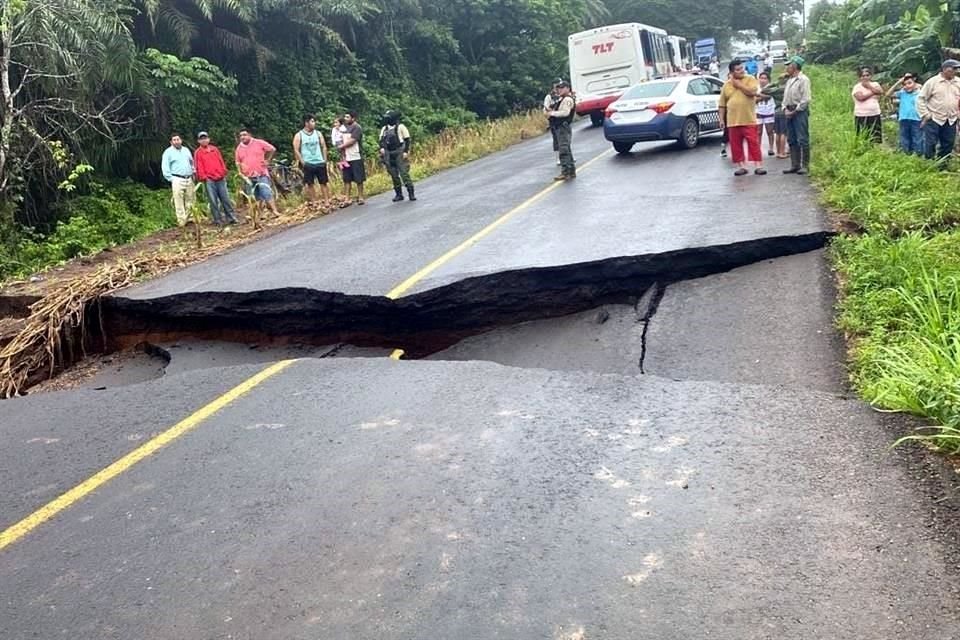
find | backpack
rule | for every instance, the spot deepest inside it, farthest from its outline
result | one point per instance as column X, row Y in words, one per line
column 390, row 140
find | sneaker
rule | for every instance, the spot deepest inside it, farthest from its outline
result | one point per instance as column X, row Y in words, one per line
column 740, row 172
column 723, row 153
column 559, row 178
column 760, row 171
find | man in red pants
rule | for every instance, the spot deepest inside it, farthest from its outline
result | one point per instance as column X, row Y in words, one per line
column 738, row 113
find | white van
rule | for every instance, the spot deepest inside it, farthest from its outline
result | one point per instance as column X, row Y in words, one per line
column 606, row 61
column 778, row 49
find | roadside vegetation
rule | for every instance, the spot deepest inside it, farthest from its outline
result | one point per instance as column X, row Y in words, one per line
column 898, row 263
column 120, row 212
column 92, row 91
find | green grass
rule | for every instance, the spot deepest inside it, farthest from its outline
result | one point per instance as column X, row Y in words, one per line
column 900, row 273
column 877, row 188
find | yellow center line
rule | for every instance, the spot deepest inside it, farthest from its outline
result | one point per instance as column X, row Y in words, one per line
column 94, row 482
column 191, row 422
column 407, row 284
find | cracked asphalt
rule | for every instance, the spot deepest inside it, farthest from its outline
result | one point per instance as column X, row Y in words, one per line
column 525, row 483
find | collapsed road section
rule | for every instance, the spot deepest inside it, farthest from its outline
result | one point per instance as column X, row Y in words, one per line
column 422, row 323
column 425, row 322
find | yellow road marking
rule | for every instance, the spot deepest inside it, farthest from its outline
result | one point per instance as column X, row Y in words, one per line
column 91, row 484
column 407, row 284
column 191, row 422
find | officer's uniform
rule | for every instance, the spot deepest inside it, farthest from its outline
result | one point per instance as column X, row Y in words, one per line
column 397, row 166
column 561, row 120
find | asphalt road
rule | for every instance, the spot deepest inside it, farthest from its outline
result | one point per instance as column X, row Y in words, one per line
column 657, row 199
column 734, row 491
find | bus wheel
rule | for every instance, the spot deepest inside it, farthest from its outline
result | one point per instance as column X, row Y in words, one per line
column 596, row 118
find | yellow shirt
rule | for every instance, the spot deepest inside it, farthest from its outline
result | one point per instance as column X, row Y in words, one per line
column 741, row 108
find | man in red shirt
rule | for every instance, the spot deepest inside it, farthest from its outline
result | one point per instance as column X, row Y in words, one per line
column 252, row 156
column 212, row 171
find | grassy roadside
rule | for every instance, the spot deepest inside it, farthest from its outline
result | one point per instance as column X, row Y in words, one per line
column 899, row 265
column 119, row 215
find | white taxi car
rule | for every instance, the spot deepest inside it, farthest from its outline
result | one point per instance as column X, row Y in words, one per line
column 681, row 108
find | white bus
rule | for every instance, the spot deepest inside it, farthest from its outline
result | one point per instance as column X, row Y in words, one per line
column 680, row 53
column 606, row 61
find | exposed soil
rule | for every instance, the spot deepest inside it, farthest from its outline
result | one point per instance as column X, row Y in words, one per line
column 16, row 296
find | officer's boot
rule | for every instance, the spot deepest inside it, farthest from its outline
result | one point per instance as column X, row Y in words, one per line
column 411, row 193
column 804, row 160
column 399, row 196
column 794, row 160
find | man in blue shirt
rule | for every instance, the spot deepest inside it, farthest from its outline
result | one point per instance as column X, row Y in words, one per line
column 911, row 135
column 177, row 166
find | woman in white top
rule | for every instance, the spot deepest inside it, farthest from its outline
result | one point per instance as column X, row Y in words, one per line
column 866, row 106
column 766, row 112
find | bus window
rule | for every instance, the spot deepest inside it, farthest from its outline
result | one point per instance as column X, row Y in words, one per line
column 661, row 58
column 647, row 47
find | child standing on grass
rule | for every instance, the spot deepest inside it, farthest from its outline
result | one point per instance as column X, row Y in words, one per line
column 911, row 135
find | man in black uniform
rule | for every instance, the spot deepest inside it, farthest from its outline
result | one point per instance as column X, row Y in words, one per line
column 561, row 116
column 395, row 154
column 549, row 103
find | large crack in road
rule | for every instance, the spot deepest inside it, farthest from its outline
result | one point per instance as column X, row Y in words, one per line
column 733, row 488
column 430, row 321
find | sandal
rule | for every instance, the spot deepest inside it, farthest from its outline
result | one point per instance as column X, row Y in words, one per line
column 740, row 172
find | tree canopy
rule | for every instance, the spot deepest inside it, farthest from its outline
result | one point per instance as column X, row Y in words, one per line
column 892, row 36
column 102, row 83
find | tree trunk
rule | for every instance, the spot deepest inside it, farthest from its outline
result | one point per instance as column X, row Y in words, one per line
column 6, row 125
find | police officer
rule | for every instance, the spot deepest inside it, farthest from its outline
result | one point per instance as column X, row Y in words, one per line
column 561, row 116
column 550, row 103
column 395, row 154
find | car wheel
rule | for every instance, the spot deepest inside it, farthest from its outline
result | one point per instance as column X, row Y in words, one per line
column 689, row 134
column 623, row 147
column 596, row 118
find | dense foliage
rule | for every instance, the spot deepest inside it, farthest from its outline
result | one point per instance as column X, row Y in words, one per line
column 893, row 36
column 92, row 89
